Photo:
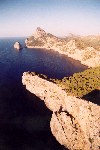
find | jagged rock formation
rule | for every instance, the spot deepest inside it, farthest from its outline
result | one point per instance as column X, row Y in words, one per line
column 75, row 123
column 39, row 33
column 84, row 49
column 17, row 45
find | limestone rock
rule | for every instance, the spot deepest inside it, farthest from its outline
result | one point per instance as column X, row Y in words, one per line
column 26, row 41
column 39, row 33
column 17, row 45
column 75, row 123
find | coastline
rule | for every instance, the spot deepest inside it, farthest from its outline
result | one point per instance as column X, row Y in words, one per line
column 76, row 48
column 77, row 56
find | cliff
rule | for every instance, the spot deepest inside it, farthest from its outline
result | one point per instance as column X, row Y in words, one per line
column 75, row 123
column 84, row 49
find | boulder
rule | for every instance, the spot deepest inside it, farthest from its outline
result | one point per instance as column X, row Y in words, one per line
column 17, row 45
column 75, row 123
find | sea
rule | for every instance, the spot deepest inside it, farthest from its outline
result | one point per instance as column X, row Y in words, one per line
column 24, row 118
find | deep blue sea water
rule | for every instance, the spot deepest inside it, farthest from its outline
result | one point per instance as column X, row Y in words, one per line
column 24, row 121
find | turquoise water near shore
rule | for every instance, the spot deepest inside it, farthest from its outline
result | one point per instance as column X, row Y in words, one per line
column 24, row 120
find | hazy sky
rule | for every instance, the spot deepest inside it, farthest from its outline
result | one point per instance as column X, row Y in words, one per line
column 60, row 17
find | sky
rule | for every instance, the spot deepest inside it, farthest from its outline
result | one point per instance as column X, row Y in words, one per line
column 59, row 17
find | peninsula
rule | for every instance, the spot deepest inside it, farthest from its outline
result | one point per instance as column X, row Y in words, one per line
column 86, row 49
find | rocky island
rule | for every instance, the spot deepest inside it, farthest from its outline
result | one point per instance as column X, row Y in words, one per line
column 17, row 45
column 86, row 49
column 75, row 122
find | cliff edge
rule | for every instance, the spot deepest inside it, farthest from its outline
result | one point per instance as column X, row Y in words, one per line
column 84, row 49
column 75, row 123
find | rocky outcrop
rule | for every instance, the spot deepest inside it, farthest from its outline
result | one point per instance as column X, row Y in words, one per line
column 78, row 48
column 17, row 45
column 39, row 33
column 75, row 123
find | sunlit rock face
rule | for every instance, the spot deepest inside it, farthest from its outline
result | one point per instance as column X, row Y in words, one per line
column 84, row 49
column 39, row 33
column 17, row 45
column 75, row 123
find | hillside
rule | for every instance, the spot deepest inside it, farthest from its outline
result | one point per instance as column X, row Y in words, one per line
column 81, row 83
column 85, row 49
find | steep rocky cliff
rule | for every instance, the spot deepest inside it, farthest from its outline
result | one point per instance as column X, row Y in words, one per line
column 84, row 49
column 75, row 123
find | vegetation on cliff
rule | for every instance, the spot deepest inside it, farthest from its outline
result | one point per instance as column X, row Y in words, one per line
column 81, row 83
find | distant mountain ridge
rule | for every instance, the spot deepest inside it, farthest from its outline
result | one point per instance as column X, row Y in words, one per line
column 86, row 49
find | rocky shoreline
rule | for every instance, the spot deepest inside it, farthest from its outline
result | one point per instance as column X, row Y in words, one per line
column 75, row 123
column 88, row 56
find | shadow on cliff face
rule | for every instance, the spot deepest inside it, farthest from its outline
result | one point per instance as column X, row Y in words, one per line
column 25, row 121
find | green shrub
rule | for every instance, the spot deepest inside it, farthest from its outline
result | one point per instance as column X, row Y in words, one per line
column 81, row 83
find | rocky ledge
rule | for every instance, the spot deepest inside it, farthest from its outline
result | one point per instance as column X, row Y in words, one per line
column 75, row 123
column 84, row 49
column 17, row 45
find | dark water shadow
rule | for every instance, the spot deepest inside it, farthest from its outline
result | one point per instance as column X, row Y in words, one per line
column 93, row 96
column 25, row 121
